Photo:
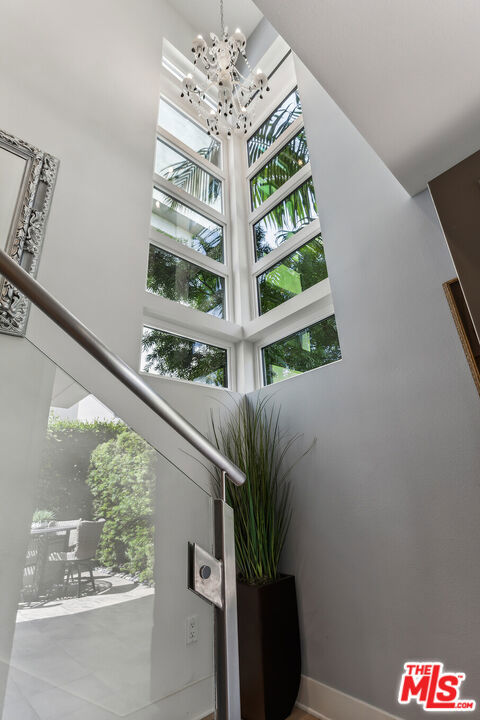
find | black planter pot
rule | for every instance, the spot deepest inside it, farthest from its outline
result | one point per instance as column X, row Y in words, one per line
column 269, row 648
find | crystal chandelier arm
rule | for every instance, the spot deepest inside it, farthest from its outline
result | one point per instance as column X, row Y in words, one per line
column 235, row 91
column 222, row 23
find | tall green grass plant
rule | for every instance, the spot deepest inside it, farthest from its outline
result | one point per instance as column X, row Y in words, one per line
column 251, row 437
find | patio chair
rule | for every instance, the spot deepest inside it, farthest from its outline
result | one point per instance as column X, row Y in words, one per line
column 83, row 556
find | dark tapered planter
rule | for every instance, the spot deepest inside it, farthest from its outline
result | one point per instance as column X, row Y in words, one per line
column 269, row 647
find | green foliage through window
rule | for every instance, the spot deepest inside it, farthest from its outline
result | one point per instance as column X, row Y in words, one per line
column 288, row 111
column 179, row 357
column 304, row 350
column 182, row 281
column 288, row 161
column 292, row 275
column 66, row 453
column 285, row 219
column 187, row 175
column 122, row 482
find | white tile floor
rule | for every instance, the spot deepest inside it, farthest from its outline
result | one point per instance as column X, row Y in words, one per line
column 74, row 659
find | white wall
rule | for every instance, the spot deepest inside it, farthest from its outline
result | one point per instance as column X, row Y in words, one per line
column 385, row 535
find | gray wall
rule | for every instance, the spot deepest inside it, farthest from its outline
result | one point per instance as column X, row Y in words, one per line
column 386, row 534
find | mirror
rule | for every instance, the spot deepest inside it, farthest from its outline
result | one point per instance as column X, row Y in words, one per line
column 12, row 170
column 27, row 180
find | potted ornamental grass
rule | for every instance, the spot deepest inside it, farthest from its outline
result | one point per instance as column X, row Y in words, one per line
column 269, row 640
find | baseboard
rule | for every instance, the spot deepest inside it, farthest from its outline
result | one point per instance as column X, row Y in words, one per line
column 326, row 703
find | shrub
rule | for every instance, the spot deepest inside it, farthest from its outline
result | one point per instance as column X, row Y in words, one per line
column 62, row 485
column 122, row 482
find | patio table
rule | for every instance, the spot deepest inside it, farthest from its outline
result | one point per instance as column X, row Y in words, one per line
column 43, row 541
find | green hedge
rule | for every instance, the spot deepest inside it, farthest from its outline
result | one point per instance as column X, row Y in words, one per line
column 62, row 486
column 122, row 483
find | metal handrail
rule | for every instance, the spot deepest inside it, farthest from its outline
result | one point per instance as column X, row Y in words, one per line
column 112, row 362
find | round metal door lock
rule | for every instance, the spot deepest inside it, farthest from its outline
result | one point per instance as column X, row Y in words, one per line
column 205, row 572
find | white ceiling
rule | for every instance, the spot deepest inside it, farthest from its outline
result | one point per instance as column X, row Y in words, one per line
column 406, row 73
column 204, row 15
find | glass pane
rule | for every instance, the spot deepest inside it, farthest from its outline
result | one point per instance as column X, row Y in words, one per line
column 292, row 275
column 281, row 168
column 93, row 520
column 189, row 284
column 184, row 173
column 179, row 357
column 272, row 128
column 173, row 218
column 304, row 350
column 288, row 217
column 188, row 132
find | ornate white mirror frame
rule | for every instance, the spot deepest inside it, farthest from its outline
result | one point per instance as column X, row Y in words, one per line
column 27, row 180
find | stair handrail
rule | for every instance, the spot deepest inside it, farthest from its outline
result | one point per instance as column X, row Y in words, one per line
column 68, row 322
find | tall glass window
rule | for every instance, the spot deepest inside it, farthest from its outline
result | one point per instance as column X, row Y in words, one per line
column 304, row 350
column 187, row 283
column 285, row 219
column 288, row 161
column 288, row 111
column 188, row 132
column 186, row 226
column 187, row 175
column 292, row 275
column 174, row 356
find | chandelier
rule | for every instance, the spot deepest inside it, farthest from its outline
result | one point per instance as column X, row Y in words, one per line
column 233, row 111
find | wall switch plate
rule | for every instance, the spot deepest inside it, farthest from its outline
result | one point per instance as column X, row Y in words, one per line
column 191, row 629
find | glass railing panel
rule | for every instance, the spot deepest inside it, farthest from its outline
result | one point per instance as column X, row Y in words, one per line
column 96, row 621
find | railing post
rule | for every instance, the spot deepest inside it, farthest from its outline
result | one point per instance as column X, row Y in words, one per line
column 226, row 630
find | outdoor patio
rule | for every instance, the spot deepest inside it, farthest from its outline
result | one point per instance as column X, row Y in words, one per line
column 88, row 657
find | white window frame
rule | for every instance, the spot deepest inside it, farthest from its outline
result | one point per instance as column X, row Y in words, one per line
column 173, row 329
column 244, row 332
column 169, row 315
column 311, row 305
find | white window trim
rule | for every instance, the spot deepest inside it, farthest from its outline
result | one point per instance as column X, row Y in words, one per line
column 311, row 305
column 186, row 317
column 251, row 332
column 277, row 322
column 171, row 316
